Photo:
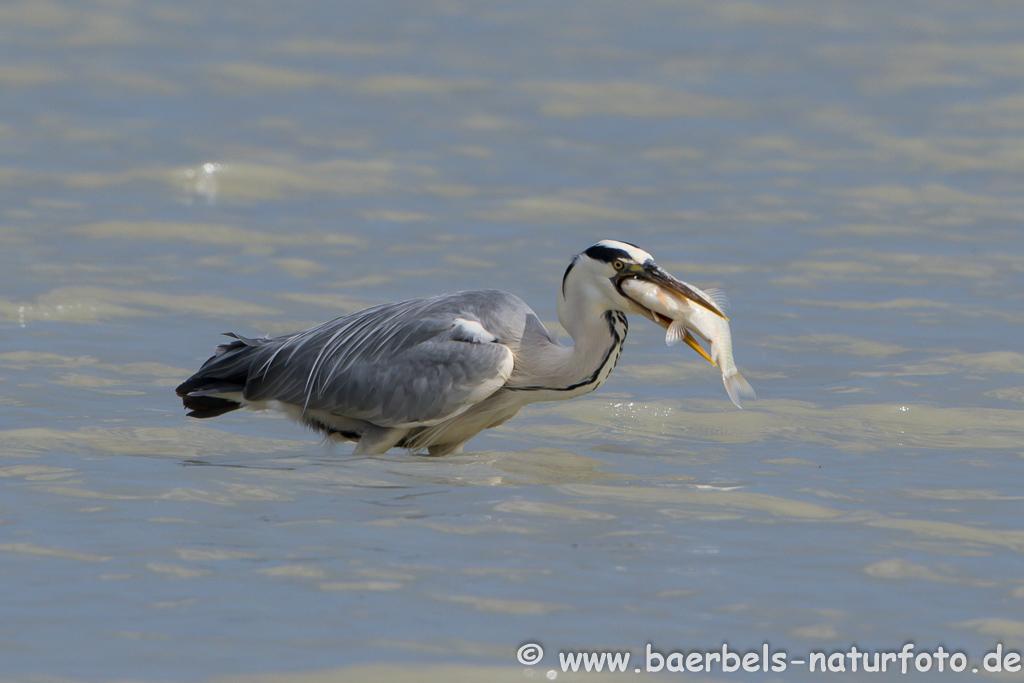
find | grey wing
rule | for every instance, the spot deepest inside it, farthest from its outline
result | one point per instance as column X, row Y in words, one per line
column 412, row 363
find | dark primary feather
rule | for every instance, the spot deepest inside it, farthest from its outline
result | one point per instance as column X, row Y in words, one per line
column 225, row 372
column 208, row 406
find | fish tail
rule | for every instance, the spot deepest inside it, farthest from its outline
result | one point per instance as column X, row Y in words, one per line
column 738, row 387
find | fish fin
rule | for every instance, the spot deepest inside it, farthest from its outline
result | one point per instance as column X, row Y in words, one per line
column 675, row 333
column 720, row 298
column 738, row 387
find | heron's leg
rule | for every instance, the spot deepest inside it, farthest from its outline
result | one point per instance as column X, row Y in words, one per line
column 377, row 440
column 445, row 449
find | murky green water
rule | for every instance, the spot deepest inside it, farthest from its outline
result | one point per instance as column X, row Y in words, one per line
column 850, row 173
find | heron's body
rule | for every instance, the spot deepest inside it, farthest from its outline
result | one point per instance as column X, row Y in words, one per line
column 426, row 373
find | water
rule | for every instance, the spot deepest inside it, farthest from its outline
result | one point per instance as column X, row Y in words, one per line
column 849, row 173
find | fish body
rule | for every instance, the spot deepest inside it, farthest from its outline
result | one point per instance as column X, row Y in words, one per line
column 684, row 319
column 715, row 330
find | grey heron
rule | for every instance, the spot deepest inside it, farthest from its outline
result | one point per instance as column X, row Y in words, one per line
column 431, row 373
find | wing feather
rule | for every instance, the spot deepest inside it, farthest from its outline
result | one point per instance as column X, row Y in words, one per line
column 409, row 363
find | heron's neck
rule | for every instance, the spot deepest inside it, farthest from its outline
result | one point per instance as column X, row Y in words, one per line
column 597, row 346
column 566, row 371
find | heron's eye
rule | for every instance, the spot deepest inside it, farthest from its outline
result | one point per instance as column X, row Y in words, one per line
column 618, row 265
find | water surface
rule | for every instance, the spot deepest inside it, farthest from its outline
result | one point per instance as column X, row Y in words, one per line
column 849, row 173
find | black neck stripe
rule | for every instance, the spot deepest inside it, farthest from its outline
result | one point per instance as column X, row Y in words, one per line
column 612, row 355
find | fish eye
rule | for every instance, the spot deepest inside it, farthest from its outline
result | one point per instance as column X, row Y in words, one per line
column 618, row 265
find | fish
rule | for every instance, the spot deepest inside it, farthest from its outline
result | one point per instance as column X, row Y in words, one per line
column 684, row 318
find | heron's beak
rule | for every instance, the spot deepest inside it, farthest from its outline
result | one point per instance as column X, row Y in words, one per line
column 673, row 287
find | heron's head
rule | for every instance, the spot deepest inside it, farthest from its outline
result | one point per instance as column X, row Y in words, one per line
column 593, row 283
